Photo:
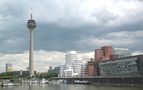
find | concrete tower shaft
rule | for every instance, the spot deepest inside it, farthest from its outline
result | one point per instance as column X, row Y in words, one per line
column 31, row 24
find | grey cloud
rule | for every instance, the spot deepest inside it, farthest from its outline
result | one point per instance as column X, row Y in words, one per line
column 104, row 16
column 62, row 27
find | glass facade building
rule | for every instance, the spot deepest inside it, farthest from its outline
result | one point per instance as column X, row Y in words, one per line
column 8, row 67
column 126, row 66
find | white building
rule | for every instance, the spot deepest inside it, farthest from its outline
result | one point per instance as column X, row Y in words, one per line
column 77, row 65
column 74, row 61
column 69, row 72
column 82, row 72
column 83, row 68
column 70, row 57
column 74, row 65
column 62, row 70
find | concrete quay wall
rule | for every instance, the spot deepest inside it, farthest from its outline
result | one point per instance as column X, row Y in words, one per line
column 118, row 81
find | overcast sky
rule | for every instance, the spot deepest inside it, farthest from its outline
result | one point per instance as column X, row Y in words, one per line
column 64, row 25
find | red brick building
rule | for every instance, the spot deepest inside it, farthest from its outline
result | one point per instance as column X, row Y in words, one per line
column 103, row 54
column 92, row 68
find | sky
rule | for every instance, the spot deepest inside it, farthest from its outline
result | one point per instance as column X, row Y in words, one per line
column 64, row 25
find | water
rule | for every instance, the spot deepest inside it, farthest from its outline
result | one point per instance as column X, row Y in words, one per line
column 68, row 87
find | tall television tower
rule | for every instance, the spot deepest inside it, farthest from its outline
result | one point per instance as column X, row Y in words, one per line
column 31, row 24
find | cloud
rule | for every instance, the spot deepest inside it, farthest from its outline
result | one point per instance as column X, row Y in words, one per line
column 99, row 42
column 124, row 39
column 59, row 34
column 81, row 25
column 42, row 59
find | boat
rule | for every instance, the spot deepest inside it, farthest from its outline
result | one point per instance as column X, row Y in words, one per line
column 34, row 81
column 42, row 81
column 81, row 82
column 9, row 83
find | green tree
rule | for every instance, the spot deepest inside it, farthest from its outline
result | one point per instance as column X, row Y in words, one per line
column 46, row 75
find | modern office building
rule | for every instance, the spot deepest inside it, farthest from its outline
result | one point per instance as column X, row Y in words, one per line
column 50, row 68
column 74, row 65
column 83, row 70
column 104, row 53
column 121, row 52
column 54, row 69
column 70, row 57
column 75, row 61
column 69, row 72
column 8, row 67
column 31, row 25
column 20, row 73
column 77, row 65
column 57, row 69
column 62, row 70
column 125, row 66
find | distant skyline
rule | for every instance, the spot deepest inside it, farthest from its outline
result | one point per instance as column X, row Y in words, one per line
column 64, row 25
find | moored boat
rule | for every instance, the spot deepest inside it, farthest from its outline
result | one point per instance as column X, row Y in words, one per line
column 43, row 81
column 81, row 82
column 9, row 83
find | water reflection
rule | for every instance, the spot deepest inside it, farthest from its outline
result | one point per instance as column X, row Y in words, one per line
column 68, row 87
